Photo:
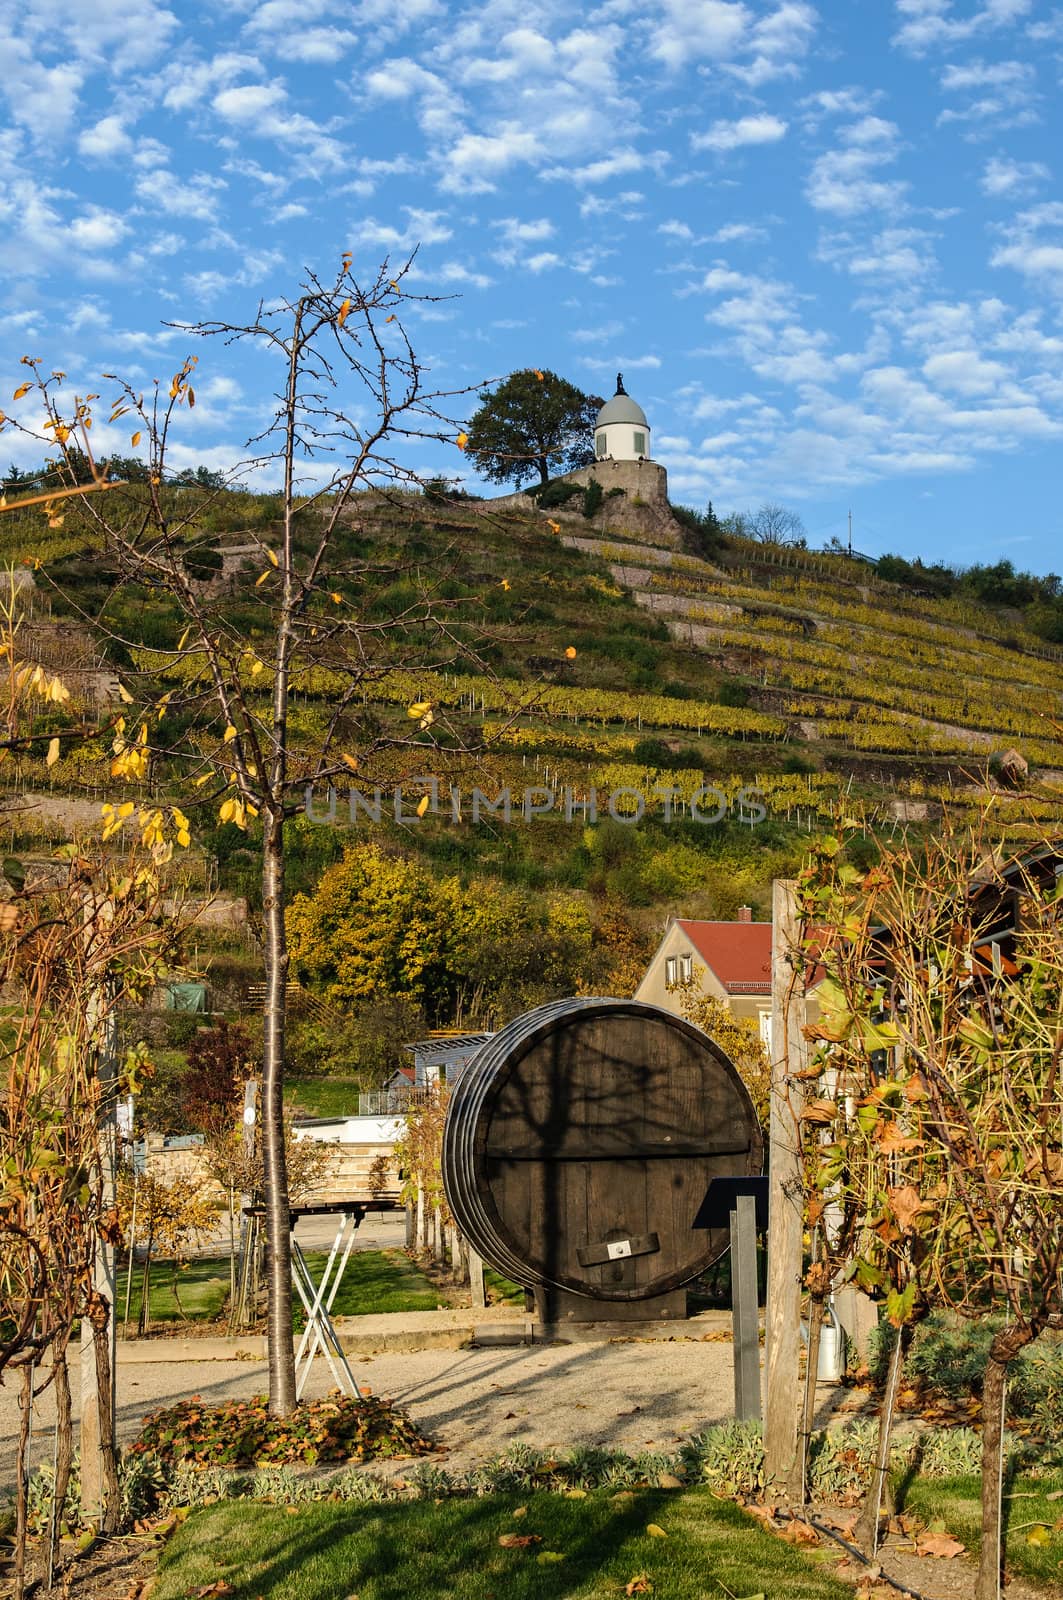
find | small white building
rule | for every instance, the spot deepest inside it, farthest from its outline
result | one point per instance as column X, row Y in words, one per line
column 621, row 432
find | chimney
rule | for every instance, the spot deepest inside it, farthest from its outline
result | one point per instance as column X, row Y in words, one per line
column 745, row 913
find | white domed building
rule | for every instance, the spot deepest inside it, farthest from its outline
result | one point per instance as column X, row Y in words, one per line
column 621, row 432
column 633, row 487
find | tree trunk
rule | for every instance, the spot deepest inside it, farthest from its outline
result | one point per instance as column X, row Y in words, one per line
column 282, row 1396
column 799, row 1476
column 64, row 1453
column 99, row 1313
column 25, row 1404
column 544, row 470
column 144, row 1316
column 878, row 1494
column 1002, row 1352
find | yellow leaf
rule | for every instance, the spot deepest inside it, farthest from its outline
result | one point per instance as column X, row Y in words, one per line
column 337, row 599
column 126, row 809
column 462, row 440
column 422, row 804
column 184, row 636
column 53, row 752
column 342, row 314
column 23, row 388
column 135, row 440
column 226, row 811
column 538, row 374
column 391, row 318
column 505, row 583
column 655, row 1530
column 260, row 580
column 571, row 652
column 350, row 761
column 124, row 695
column 229, row 735
column 419, row 708
column 555, row 525
column 272, row 559
column 204, row 779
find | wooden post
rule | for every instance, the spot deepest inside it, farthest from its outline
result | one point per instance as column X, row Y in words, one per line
column 411, row 1225
column 786, row 1194
column 744, row 1308
column 422, row 1222
column 98, row 1408
column 454, row 1251
column 476, row 1281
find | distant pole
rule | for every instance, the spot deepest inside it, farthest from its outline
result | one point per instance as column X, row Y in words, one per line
column 850, row 531
column 785, row 1202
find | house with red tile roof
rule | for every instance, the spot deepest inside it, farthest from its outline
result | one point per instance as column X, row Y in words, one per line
column 729, row 960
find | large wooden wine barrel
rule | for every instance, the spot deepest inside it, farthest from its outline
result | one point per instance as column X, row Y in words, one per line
column 579, row 1143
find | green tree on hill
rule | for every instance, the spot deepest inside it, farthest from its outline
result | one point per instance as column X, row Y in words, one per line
column 533, row 421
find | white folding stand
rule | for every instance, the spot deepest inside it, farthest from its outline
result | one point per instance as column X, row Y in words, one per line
column 320, row 1331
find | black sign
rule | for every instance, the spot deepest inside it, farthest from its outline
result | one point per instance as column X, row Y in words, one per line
column 722, row 1197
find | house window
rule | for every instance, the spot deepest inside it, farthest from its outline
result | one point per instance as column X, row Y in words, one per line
column 686, row 969
column 640, row 444
column 671, row 971
column 599, row 445
column 765, row 1030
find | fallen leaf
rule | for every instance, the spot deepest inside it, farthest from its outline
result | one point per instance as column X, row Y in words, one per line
column 942, row 1545
column 668, row 1480
column 546, row 1558
column 571, row 652
column 519, row 1541
column 639, row 1585
column 521, row 1511
column 575, row 1494
column 798, row 1532
column 1039, row 1535
column 655, row 1530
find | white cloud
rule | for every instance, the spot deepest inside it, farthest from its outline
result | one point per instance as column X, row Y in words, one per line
column 292, row 30
column 420, row 228
column 106, row 140
column 1036, row 257
column 698, row 29
column 739, row 233
column 620, row 363
column 477, row 159
column 761, row 128
column 964, row 372
column 933, row 22
column 843, row 181
column 675, row 230
column 97, row 229
column 1011, row 179
column 188, row 83
column 197, row 196
column 262, row 109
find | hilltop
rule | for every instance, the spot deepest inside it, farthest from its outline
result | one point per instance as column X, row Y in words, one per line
column 806, row 676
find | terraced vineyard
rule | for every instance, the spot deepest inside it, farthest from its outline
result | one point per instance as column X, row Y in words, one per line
column 800, row 675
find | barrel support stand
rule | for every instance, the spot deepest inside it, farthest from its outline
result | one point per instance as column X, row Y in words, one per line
column 320, row 1331
column 743, row 1219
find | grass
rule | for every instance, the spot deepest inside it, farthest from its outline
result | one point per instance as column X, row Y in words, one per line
column 202, row 1284
column 957, row 1503
column 591, row 1549
column 322, row 1097
column 377, row 1280
column 501, row 1289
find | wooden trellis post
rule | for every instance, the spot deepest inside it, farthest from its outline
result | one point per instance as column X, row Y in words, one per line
column 786, row 1198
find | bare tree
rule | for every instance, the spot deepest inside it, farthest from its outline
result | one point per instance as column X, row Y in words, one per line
column 351, row 397
column 772, row 523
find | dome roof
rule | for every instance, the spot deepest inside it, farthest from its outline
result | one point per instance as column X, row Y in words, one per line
column 621, row 408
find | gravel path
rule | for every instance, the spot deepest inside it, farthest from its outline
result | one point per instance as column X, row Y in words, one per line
column 634, row 1396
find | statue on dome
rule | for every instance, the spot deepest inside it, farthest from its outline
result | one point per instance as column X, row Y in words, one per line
column 620, row 383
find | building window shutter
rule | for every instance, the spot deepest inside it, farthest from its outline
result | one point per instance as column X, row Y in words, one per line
column 686, row 968
column 599, row 445
column 640, row 444
column 671, row 970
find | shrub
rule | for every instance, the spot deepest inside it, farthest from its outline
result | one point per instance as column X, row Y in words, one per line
column 733, row 693
column 239, row 1433
column 730, row 1459
column 593, row 496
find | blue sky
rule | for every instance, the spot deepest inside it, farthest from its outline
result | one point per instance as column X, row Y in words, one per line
column 824, row 242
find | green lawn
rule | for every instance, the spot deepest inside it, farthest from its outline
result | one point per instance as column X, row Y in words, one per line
column 377, row 1280
column 322, row 1097
column 590, row 1549
column 202, row 1284
column 501, row 1289
column 957, row 1502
